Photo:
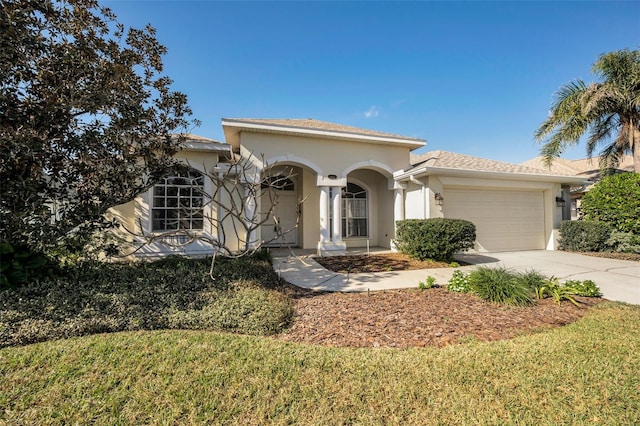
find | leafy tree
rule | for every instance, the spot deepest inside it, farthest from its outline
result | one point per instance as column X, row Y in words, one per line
column 615, row 200
column 609, row 111
column 86, row 118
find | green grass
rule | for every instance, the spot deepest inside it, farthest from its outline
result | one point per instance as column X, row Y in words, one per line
column 584, row 373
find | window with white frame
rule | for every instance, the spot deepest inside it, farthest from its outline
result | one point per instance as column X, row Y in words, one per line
column 355, row 216
column 177, row 202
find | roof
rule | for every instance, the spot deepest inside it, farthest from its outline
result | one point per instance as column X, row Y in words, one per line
column 313, row 128
column 452, row 160
column 444, row 163
column 589, row 167
column 200, row 143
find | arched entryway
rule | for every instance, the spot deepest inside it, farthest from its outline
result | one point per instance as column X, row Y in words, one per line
column 279, row 208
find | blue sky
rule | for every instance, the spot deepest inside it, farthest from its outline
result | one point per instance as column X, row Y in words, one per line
column 470, row 77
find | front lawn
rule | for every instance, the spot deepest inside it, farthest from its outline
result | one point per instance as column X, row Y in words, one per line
column 583, row 373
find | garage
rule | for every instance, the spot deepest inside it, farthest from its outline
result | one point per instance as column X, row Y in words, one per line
column 505, row 219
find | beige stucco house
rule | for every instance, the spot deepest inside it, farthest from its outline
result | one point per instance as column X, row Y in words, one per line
column 355, row 183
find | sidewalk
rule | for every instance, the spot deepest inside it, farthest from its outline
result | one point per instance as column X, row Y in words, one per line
column 618, row 279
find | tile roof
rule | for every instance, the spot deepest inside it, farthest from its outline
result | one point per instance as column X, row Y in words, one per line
column 310, row 123
column 451, row 160
column 583, row 166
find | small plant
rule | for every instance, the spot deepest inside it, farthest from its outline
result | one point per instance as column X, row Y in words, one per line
column 454, row 264
column 458, row 282
column 500, row 285
column 585, row 288
column 429, row 282
column 556, row 290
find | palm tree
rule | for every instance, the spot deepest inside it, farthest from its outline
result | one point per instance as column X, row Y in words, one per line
column 609, row 111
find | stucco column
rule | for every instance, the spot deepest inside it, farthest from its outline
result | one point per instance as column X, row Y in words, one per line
column 324, row 214
column 398, row 205
column 336, row 205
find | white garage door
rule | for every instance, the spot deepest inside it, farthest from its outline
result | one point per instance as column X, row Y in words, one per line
column 505, row 220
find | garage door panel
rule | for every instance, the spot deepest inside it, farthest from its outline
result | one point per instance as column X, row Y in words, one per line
column 505, row 220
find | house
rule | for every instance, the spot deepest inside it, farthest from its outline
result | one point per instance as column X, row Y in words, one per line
column 355, row 184
column 588, row 168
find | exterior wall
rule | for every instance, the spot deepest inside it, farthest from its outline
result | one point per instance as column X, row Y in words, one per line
column 322, row 154
column 135, row 215
column 414, row 202
column 310, row 220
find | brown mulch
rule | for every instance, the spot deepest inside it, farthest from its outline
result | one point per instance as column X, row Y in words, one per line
column 634, row 257
column 414, row 318
column 376, row 263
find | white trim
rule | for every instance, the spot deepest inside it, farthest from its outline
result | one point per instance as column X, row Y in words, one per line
column 334, row 134
column 371, row 165
column 288, row 158
column 447, row 171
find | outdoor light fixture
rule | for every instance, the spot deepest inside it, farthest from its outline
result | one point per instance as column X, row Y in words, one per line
column 560, row 201
column 439, row 198
column 332, row 177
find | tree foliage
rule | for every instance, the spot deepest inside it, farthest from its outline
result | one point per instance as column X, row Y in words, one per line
column 608, row 111
column 86, row 118
column 615, row 200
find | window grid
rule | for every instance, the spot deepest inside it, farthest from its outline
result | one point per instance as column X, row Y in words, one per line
column 178, row 203
column 354, row 211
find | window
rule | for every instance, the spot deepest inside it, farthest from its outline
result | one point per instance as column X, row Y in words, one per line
column 354, row 211
column 177, row 202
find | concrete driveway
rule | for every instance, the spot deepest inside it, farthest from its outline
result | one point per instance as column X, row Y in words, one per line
column 618, row 279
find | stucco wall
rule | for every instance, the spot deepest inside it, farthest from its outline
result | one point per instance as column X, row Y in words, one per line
column 135, row 215
column 324, row 155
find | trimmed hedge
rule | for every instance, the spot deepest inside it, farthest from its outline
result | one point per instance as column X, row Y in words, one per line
column 583, row 235
column 436, row 238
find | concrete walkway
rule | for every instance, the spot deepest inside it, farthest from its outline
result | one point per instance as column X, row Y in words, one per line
column 618, row 279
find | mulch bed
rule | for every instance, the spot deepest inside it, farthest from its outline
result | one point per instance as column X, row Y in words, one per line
column 414, row 318
column 376, row 263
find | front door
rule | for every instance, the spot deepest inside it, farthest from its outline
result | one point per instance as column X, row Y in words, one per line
column 280, row 228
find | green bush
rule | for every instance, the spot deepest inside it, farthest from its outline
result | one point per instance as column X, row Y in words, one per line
column 583, row 235
column 500, row 285
column 18, row 264
column 459, row 282
column 585, row 288
column 437, row 238
column 624, row 242
column 615, row 200
column 246, row 296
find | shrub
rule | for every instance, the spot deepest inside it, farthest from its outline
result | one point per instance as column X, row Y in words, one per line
column 624, row 242
column 249, row 309
column 583, row 235
column 459, row 282
column 585, row 288
column 437, row 238
column 18, row 264
column 174, row 292
column 500, row 285
column 559, row 292
column 615, row 200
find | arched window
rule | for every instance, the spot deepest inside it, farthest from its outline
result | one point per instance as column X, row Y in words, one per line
column 355, row 215
column 177, row 202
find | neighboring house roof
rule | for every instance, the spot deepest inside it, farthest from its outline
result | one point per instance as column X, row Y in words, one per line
column 200, row 143
column 450, row 163
column 313, row 128
column 583, row 166
column 589, row 168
